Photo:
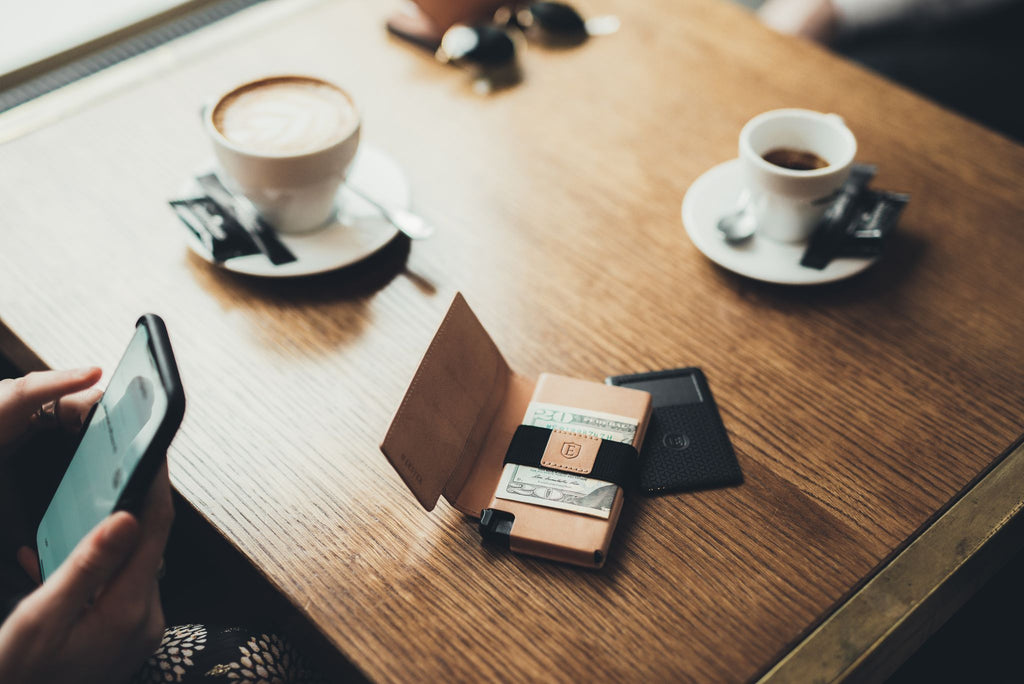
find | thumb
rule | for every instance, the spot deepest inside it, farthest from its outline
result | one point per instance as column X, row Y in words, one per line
column 95, row 560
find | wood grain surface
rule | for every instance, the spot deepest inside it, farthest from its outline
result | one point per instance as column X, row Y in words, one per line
column 857, row 410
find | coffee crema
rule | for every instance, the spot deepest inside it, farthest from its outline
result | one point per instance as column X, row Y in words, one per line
column 289, row 115
column 796, row 160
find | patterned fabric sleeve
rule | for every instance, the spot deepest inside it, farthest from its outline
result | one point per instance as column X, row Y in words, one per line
column 200, row 654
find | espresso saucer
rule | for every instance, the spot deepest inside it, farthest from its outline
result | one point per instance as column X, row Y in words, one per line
column 355, row 232
column 715, row 194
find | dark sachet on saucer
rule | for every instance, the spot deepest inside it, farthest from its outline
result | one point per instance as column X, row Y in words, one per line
column 831, row 232
column 218, row 231
column 857, row 223
column 872, row 226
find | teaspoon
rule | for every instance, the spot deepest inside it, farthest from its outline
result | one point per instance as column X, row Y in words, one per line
column 413, row 225
column 739, row 225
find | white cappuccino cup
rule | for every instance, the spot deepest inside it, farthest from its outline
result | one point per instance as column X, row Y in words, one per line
column 794, row 161
column 286, row 143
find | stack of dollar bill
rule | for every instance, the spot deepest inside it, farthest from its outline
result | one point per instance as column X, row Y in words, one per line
column 558, row 489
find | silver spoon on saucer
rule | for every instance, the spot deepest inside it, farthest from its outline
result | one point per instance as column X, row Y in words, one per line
column 411, row 224
column 738, row 226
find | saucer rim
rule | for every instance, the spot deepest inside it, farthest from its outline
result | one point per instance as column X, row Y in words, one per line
column 838, row 269
column 261, row 268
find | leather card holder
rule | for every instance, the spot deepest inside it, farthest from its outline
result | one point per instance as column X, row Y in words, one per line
column 462, row 411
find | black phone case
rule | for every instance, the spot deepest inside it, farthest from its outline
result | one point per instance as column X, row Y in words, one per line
column 686, row 446
column 138, row 484
column 135, row 490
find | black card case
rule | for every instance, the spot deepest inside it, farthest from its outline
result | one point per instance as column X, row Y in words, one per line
column 686, row 447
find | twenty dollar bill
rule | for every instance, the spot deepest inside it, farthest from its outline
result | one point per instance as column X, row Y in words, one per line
column 593, row 423
column 558, row 489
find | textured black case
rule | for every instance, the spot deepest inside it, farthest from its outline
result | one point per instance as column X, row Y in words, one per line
column 686, row 446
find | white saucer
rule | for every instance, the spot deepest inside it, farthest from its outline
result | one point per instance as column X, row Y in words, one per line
column 714, row 195
column 357, row 231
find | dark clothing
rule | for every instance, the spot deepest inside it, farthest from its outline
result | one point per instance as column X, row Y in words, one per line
column 972, row 65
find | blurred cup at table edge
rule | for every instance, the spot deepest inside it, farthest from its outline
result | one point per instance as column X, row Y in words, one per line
column 285, row 142
column 429, row 19
column 788, row 202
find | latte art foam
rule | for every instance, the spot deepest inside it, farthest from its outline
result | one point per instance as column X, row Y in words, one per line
column 285, row 116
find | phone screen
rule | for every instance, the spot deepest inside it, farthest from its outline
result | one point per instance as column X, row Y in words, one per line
column 123, row 425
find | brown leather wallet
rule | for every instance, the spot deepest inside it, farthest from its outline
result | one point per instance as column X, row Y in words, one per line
column 451, row 432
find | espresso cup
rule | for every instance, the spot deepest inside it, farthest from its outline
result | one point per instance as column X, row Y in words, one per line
column 285, row 143
column 812, row 154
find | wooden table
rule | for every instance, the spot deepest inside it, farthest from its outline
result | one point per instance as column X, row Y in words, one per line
column 859, row 411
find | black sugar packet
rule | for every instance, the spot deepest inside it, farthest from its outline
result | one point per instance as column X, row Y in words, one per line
column 222, row 235
column 218, row 231
column 857, row 223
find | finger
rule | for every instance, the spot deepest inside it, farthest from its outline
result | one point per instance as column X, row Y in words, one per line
column 155, row 624
column 73, row 408
column 31, row 391
column 155, row 526
column 95, row 560
column 142, row 631
column 22, row 397
column 29, row 562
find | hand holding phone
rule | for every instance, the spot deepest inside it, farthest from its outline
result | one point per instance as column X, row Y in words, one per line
column 122, row 446
column 99, row 616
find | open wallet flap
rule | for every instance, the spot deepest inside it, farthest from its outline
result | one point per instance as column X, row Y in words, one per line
column 449, row 434
column 456, row 423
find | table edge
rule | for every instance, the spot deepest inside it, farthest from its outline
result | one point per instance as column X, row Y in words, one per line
column 871, row 633
column 868, row 635
column 975, row 531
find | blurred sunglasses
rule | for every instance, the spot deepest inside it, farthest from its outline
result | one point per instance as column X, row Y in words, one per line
column 556, row 19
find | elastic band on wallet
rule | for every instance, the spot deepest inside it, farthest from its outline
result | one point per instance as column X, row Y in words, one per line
column 616, row 462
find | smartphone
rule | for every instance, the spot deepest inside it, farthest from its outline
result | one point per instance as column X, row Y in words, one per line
column 123, row 443
column 686, row 446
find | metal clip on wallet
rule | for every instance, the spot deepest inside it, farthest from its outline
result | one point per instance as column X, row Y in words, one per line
column 458, row 434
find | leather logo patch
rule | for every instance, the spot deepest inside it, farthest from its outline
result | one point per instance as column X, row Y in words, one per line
column 571, row 452
column 571, row 449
